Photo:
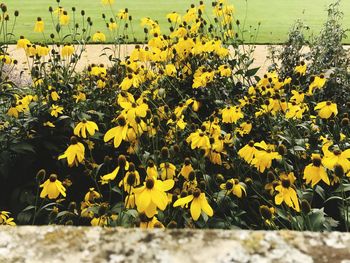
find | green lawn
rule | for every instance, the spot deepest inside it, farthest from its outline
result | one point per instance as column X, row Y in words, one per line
column 276, row 16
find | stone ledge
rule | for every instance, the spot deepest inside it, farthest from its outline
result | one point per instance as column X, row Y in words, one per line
column 93, row 244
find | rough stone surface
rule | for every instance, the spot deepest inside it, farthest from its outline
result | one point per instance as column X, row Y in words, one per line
column 93, row 244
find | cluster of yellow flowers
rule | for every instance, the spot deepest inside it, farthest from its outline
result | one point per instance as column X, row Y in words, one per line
column 176, row 134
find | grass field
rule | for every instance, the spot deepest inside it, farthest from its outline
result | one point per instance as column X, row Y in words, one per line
column 276, row 16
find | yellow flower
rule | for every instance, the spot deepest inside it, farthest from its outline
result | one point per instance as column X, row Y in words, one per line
column 39, row 25
column 130, row 180
column 55, row 96
column 170, row 70
column 55, row 110
column 167, row 170
column 135, row 109
column 152, row 195
column 123, row 14
column 147, row 223
column 326, row 109
column 122, row 164
column 244, row 128
column 315, row 172
column 131, row 80
column 99, row 71
column 152, row 169
column 233, row 186
column 318, row 83
column 5, row 59
column 119, row 133
column 42, row 50
column 231, row 114
column 174, row 17
column 13, row 112
column 301, row 69
column 198, row 203
column 186, row 168
column 99, row 37
column 59, row 11
column 198, row 139
column 225, row 71
column 298, row 96
column 52, row 188
column 267, row 213
column 112, row 26
column 64, row 19
column 5, row 219
column 79, row 97
column 111, row 176
column 247, row 152
column 23, row 42
column 202, row 78
column 92, row 195
column 83, row 126
column 31, row 50
column 49, row 124
column 103, row 220
column 180, row 123
column 337, row 157
column 295, row 111
column 286, row 192
column 67, row 50
column 129, row 201
column 75, row 153
column 263, row 158
column 195, row 104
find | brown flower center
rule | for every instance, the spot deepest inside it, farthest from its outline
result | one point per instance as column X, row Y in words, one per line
column 53, row 178
column 149, row 183
column 196, row 193
column 286, row 183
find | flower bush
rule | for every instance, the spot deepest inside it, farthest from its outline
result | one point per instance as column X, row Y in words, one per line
column 180, row 133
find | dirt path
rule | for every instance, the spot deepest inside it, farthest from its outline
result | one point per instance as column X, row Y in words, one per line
column 92, row 54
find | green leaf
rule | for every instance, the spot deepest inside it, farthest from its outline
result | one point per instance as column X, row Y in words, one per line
column 343, row 187
column 317, row 219
column 22, row 148
column 62, row 213
column 252, row 72
column 117, row 190
column 58, row 28
column 334, row 198
column 24, row 217
column 298, row 148
column 30, row 207
column 117, row 208
column 132, row 212
column 320, row 191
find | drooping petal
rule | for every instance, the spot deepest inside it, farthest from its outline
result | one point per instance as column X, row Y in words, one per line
column 167, row 185
column 195, row 209
column 205, row 205
column 83, row 131
column 110, row 134
column 183, row 201
column 151, row 210
column 77, row 129
column 143, row 200
column 159, row 199
column 278, row 199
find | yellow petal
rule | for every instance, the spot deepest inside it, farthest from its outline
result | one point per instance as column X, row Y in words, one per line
column 143, row 200
column 195, row 209
column 205, row 206
column 183, row 201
